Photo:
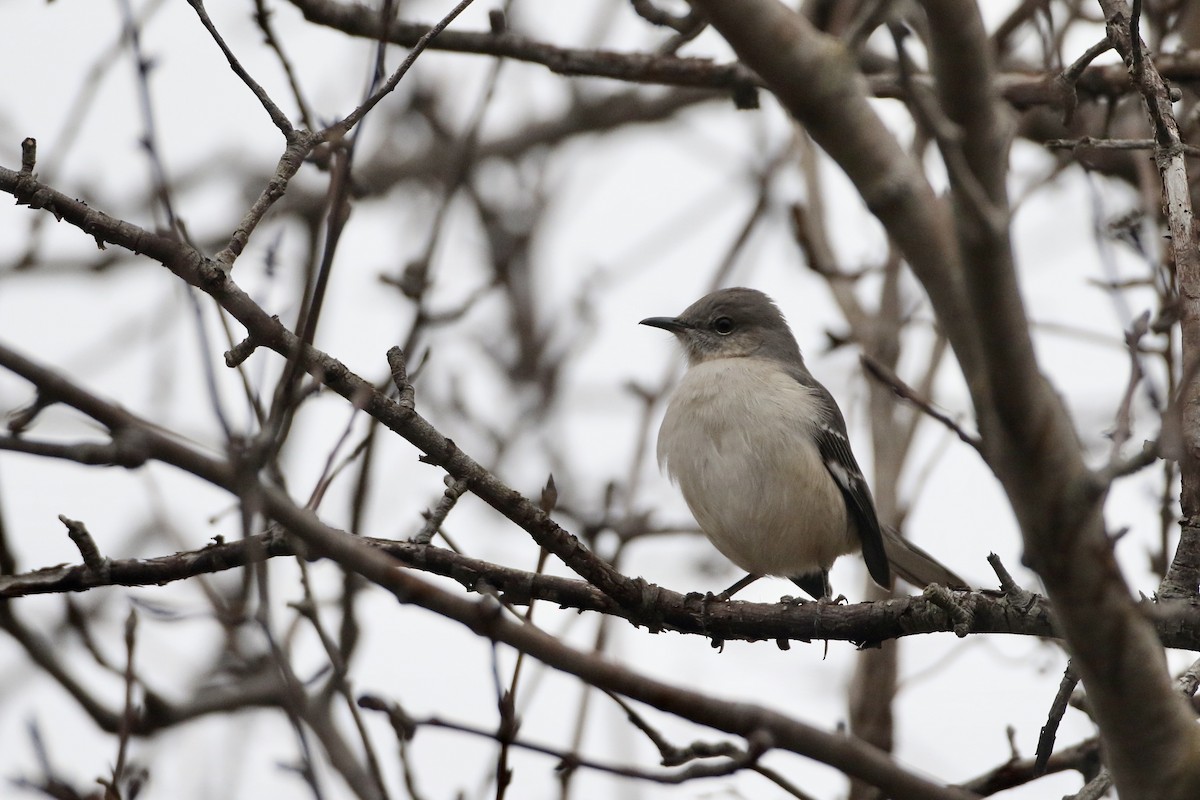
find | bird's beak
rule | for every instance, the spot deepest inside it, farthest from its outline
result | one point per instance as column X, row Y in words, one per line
column 671, row 324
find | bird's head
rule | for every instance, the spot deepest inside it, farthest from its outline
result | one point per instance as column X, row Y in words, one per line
column 731, row 323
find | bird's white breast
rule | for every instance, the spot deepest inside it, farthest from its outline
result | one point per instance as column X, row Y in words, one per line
column 737, row 438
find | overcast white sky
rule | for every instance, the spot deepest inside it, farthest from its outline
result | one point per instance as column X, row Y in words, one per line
column 654, row 209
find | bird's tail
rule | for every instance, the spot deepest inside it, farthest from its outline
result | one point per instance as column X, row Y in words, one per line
column 915, row 565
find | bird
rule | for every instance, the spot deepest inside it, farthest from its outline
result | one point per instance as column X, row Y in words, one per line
column 759, row 450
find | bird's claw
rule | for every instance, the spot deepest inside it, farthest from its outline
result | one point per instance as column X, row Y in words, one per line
column 787, row 599
column 707, row 597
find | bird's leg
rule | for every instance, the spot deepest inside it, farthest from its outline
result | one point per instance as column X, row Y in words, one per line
column 815, row 583
column 709, row 597
column 827, row 589
column 734, row 589
column 827, row 597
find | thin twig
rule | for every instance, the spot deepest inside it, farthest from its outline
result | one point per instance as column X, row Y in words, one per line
column 273, row 111
column 262, row 17
column 1045, row 745
column 1137, row 57
column 339, row 678
column 149, row 140
column 885, row 376
column 1123, row 426
column 570, row 761
column 965, row 182
column 1071, row 73
column 1092, row 143
column 298, row 149
column 434, row 519
column 130, row 713
column 343, row 126
column 294, row 699
column 1068, row 79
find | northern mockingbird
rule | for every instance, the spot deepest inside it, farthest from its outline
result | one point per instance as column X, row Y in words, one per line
column 759, row 449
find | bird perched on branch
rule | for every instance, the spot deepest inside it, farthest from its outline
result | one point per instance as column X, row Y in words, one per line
column 759, row 449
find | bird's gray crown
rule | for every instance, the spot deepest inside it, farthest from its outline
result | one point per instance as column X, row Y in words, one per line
column 732, row 323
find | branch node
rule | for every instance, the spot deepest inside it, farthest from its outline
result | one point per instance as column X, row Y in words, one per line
column 398, row 362
column 455, row 488
column 497, row 22
column 28, row 155
column 21, row 419
column 130, row 448
column 549, row 498
column 1008, row 585
column 760, row 741
column 1068, row 80
column 87, row 545
column 404, row 726
column 241, row 351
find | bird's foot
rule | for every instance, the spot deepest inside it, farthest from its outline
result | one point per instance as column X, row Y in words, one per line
column 707, row 597
column 787, row 599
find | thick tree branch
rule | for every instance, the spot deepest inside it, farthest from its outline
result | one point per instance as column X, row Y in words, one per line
column 361, row 20
column 1033, row 448
column 991, row 612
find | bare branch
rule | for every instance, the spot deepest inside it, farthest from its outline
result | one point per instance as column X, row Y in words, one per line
column 212, row 278
column 277, row 116
column 906, row 392
column 341, row 128
column 1045, row 746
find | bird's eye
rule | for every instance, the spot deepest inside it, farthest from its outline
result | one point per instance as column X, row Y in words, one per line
column 723, row 326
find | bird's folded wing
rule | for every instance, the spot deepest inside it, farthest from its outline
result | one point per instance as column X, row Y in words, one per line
column 839, row 461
